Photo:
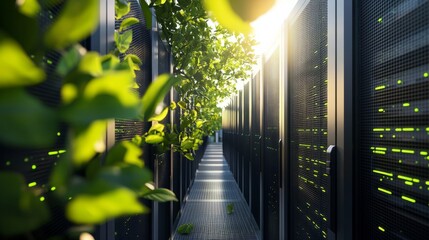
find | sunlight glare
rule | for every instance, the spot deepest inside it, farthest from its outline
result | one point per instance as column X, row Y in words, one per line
column 267, row 27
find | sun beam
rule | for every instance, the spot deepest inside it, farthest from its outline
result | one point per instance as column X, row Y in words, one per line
column 267, row 27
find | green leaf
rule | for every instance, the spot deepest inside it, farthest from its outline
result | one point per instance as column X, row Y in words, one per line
column 70, row 60
column 130, row 176
column 230, row 208
column 156, row 128
column 109, row 62
column 134, row 58
column 123, row 40
column 76, row 21
column 126, row 152
column 146, row 13
column 100, row 201
column 173, row 105
column 91, row 64
column 182, row 104
column 108, row 96
column 160, row 116
column 199, row 123
column 87, row 142
column 128, row 22
column 20, row 210
column 187, row 144
column 160, row 195
column 185, row 229
column 16, row 67
column 122, row 8
column 156, row 92
column 29, row 8
column 24, row 121
column 154, row 139
column 189, row 156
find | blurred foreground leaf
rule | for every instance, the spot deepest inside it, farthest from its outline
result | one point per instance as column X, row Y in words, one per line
column 126, row 152
column 24, row 121
column 100, row 201
column 20, row 210
column 77, row 19
column 16, row 67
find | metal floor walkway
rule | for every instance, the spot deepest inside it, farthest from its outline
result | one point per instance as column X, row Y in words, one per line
column 213, row 189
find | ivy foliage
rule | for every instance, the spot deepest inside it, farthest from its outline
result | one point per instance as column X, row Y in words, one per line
column 209, row 60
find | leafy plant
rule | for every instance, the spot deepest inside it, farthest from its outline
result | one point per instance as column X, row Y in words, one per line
column 185, row 229
column 230, row 208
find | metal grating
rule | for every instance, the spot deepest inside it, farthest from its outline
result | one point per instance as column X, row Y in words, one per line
column 308, row 121
column 206, row 203
column 393, row 178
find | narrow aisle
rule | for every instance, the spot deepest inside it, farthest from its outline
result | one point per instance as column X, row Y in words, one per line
column 214, row 188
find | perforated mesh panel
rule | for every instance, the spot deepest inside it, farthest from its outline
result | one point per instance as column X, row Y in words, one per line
column 256, row 149
column 135, row 227
column 271, row 147
column 394, row 117
column 308, row 121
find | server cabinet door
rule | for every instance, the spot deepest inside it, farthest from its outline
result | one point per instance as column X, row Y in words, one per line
column 255, row 203
column 307, row 68
column 271, row 161
column 393, row 79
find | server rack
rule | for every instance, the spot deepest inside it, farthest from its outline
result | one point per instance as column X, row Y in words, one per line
column 255, row 158
column 271, row 147
column 392, row 77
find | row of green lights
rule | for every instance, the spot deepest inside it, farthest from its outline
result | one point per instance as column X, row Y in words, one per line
column 381, row 87
column 404, row 129
column 409, row 199
column 56, row 152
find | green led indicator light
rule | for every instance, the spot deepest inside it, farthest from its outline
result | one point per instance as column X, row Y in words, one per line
column 399, row 81
column 398, row 129
column 408, row 151
column 399, row 161
column 416, row 180
column 423, row 153
column 42, row 199
column 32, row 184
column 409, row 183
column 381, row 135
column 381, row 110
column 427, row 183
column 426, row 74
column 53, row 189
column 406, row 104
column 379, row 87
column 49, row 62
column 393, row 136
column 26, row 159
column 52, row 153
column 380, row 20
column 33, row 167
column 8, row 163
column 396, row 150
column 384, row 191
column 408, row 129
column 416, row 109
column 61, row 151
column 381, row 229
column 58, row 134
column 378, row 129
column 381, row 148
column 379, row 152
column 383, row 173
column 408, row 199
column 405, row 178
column 427, row 129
